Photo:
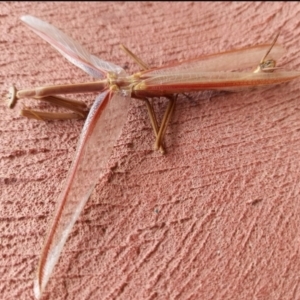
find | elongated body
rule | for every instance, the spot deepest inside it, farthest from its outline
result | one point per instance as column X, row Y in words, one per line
column 224, row 71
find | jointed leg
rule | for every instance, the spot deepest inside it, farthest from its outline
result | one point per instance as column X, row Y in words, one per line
column 159, row 132
column 165, row 121
column 142, row 64
column 42, row 116
column 153, row 122
column 76, row 106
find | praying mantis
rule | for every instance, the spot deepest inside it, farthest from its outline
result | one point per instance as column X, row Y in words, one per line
column 108, row 114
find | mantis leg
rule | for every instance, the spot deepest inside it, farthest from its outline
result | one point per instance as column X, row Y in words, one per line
column 142, row 64
column 76, row 106
column 165, row 121
column 153, row 122
column 158, row 132
column 42, row 116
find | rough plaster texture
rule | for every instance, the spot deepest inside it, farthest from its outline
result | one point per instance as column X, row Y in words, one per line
column 217, row 217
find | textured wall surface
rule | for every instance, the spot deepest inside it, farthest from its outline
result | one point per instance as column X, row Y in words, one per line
column 217, row 217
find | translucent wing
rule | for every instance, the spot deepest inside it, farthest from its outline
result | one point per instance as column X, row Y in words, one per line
column 71, row 49
column 187, row 82
column 226, row 61
column 101, row 130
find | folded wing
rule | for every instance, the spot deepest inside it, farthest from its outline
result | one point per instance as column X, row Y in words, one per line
column 187, row 82
column 226, row 61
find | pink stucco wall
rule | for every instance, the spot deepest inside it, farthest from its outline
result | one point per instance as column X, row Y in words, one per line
column 217, row 217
